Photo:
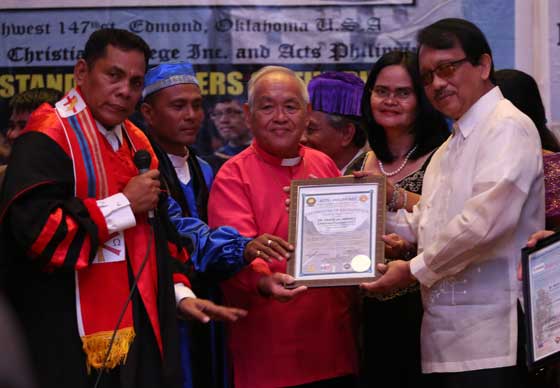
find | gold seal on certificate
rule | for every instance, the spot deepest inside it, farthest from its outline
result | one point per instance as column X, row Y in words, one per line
column 336, row 226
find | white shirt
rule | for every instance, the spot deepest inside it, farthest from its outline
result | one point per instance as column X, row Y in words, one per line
column 113, row 136
column 181, row 167
column 115, row 208
column 482, row 197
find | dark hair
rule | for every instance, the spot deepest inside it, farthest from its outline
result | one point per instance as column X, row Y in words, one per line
column 522, row 90
column 97, row 43
column 339, row 122
column 430, row 128
column 448, row 33
column 30, row 100
column 227, row 99
column 224, row 100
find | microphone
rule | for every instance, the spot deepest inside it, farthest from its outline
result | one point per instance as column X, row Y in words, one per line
column 142, row 160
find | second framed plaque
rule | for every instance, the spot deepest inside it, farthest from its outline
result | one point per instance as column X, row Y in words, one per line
column 336, row 226
column 541, row 295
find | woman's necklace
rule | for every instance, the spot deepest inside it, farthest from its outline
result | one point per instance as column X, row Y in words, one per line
column 405, row 161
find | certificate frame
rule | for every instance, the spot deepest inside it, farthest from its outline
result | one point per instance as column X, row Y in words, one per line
column 541, row 277
column 335, row 271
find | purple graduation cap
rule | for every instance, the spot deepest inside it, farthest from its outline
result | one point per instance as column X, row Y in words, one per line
column 336, row 93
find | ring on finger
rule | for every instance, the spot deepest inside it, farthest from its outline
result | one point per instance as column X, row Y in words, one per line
column 269, row 243
column 258, row 252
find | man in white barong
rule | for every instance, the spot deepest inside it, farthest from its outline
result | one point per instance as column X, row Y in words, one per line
column 482, row 196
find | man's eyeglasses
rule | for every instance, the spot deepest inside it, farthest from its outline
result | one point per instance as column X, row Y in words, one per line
column 401, row 94
column 226, row 112
column 445, row 70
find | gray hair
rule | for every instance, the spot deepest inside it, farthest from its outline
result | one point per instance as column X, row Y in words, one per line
column 274, row 69
column 339, row 122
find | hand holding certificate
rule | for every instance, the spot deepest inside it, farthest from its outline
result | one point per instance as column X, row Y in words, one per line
column 541, row 293
column 336, row 227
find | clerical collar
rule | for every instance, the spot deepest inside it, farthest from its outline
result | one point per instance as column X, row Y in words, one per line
column 288, row 162
column 114, row 136
column 181, row 167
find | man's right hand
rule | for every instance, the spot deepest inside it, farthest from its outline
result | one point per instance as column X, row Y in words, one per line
column 273, row 286
column 535, row 237
column 395, row 276
column 396, row 247
column 533, row 240
column 142, row 192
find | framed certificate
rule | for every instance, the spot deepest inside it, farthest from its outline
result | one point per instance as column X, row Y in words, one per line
column 336, row 227
column 541, row 292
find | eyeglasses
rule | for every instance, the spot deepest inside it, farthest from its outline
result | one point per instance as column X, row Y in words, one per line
column 401, row 94
column 445, row 70
column 216, row 115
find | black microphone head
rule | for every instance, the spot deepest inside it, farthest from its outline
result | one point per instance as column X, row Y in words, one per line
column 142, row 160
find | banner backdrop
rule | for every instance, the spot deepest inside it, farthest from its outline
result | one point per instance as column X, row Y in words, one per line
column 38, row 47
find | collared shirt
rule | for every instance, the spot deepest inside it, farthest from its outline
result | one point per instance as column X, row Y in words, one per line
column 181, row 167
column 184, row 174
column 115, row 208
column 114, row 136
column 482, row 197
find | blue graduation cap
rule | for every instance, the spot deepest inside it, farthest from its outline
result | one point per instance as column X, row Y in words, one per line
column 166, row 75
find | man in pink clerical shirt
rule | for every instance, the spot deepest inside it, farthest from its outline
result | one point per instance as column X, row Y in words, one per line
column 293, row 337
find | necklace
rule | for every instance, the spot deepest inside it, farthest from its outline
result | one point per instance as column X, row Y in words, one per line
column 405, row 161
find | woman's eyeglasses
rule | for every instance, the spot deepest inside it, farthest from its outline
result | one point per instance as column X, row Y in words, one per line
column 445, row 70
column 401, row 94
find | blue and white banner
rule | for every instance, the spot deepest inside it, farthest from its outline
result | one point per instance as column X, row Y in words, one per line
column 18, row 4
column 226, row 43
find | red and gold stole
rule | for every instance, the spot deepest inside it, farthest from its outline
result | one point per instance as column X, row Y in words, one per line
column 102, row 287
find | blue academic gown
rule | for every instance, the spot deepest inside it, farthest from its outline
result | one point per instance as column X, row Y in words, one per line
column 219, row 250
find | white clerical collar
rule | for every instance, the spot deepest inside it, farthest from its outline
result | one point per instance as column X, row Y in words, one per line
column 181, row 167
column 277, row 161
column 290, row 162
column 114, row 136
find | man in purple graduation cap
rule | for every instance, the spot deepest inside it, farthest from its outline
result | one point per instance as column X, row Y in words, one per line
column 334, row 125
